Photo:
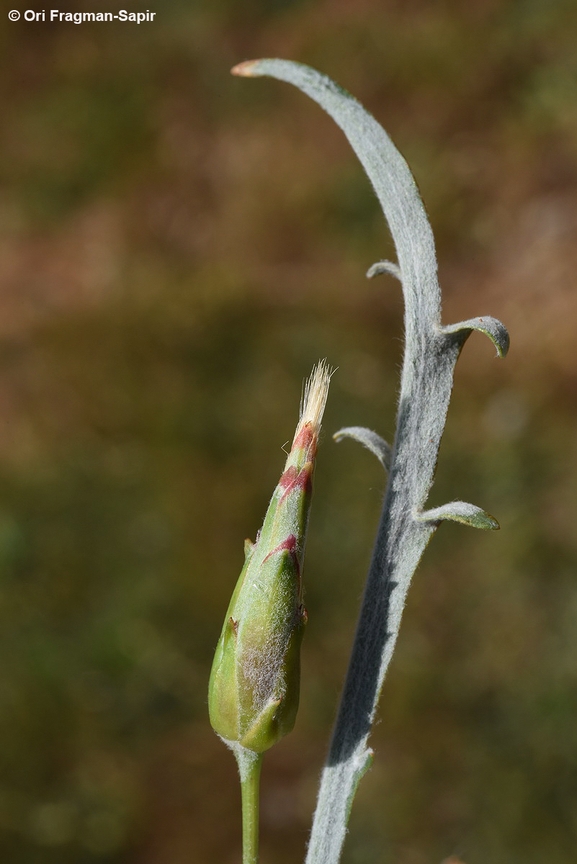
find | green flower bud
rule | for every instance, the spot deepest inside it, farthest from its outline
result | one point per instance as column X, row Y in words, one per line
column 254, row 684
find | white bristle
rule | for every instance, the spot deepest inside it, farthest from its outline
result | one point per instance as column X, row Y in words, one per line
column 315, row 394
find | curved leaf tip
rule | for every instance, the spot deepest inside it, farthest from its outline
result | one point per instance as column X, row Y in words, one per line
column 491, row 327
column 460, row 511
column 246, row 69
column 369, row 439
column 384, row 267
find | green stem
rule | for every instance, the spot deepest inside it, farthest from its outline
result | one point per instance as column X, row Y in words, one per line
column 250, row 765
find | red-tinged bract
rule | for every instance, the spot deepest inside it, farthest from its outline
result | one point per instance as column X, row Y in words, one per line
column 254, row 683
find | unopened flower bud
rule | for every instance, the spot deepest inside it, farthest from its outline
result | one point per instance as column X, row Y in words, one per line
column 254, row 683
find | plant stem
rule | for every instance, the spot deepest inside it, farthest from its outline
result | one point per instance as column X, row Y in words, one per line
column 431, row 351
column 249, row 785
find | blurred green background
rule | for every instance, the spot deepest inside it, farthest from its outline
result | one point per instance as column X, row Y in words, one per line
column 177, row 247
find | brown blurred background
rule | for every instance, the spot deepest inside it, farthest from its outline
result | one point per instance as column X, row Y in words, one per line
column 177, row 247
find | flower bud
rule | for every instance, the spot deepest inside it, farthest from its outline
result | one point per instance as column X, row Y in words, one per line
column 254, row 683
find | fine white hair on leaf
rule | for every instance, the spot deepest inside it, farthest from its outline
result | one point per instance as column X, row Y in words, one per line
column 314, row 398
